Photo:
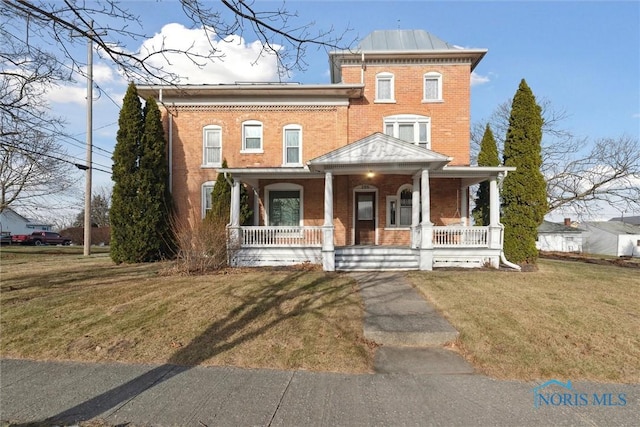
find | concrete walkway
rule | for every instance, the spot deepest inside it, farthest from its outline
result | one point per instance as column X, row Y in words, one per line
column 417, row 382
column 409, row 329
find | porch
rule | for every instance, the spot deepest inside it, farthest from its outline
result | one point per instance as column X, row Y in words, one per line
column 453, row 246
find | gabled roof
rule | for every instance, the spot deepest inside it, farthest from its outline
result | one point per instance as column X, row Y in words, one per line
column 614, row 227
column 627, row 219
column 379, row 152
column 560, row 228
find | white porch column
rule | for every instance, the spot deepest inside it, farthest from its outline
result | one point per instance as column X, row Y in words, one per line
column 328, row 249
column 234, row 214
column 495, row 228
column 256, row 206
column 234, row 224
column 415, row 212
column 426, row 226
column 464, row 205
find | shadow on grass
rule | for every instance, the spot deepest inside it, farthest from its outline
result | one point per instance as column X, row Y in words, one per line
column 216, row 339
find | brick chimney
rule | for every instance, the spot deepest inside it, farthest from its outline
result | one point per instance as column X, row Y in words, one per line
column 567, row 222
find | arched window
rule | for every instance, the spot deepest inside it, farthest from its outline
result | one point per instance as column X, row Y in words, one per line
column 432, row 87
column 284, row 204
column 410, row 128
column 292, row 145
column 252, row 136
column 211, row 146
column 207, row 189
column 400, row 207
column 385, row 87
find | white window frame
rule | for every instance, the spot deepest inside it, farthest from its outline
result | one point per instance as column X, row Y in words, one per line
column 432, row 76
column 252, row 123
column 285, row 160
column 205, row 130
column 282, row 186
column 386, row 76
column 204, row 197
column 396, row 198
column 413, row 119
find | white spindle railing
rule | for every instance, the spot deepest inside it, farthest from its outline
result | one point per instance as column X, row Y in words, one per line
column 280, row 236
column 457, row 236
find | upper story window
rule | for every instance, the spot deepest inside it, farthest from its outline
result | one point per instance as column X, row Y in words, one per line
column 384, row 87
column 212, row 146
column 252, row 137
column 292, row 145
column 432, row 87
column 410, row 128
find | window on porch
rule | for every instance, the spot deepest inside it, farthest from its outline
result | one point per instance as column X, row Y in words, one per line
column 284, row 207
column 399, row 208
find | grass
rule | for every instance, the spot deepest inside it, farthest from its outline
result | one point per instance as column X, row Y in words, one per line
column 58, row 305
column 568, row 320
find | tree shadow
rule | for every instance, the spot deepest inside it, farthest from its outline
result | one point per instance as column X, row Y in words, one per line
column 222, row 335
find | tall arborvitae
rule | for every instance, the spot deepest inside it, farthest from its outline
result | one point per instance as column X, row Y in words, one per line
column 221, row 200
column 125, row 212
column 154, row 230
column 488, row 156
column 524, row 195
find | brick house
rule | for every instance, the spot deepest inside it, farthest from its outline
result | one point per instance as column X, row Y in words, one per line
column 369, row 171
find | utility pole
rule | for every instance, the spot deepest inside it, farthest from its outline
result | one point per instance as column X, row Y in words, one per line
column 87, row 191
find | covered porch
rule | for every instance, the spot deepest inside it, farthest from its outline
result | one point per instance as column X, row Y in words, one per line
column 352, row 221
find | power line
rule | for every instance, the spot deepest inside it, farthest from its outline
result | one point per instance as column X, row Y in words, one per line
column 78, row 165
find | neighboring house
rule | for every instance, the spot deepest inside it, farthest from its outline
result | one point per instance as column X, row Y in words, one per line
column 15, row 223
column 370, row 171
column 611, row 238
column 555, row 237
column 635, row 220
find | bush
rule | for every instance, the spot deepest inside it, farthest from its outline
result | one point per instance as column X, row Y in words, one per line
column 202, row 248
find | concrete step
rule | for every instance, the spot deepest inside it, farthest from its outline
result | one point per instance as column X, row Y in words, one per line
column 376, row 258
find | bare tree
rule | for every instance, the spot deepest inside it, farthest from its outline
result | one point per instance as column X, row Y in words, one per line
column 583, row 176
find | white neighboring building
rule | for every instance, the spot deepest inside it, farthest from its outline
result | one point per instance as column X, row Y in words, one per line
column 611, row 238
column 555, row 237
column 14, row 223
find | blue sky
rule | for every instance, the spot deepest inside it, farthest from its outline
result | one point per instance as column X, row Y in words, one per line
column 584, row 57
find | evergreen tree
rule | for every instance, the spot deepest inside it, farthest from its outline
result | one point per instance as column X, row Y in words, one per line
column 488, row 156
column 154, row 230
column 125, row 213
column 524, row 197
column 221, row 200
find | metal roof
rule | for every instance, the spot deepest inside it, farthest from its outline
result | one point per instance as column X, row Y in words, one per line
column 554, row 227
column 403, row 40
column 614, row 227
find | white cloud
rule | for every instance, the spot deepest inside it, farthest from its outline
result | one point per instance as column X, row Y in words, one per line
column 477, row 79
column 235, row 60
column 636, row 116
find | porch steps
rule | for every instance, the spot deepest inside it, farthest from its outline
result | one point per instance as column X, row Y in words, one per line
column 376, row 258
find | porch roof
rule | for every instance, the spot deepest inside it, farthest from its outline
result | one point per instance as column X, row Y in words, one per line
column 379, row 153
column 472, row 174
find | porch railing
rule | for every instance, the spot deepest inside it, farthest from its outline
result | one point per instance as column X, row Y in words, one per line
column 458, row 236
column 280, row 236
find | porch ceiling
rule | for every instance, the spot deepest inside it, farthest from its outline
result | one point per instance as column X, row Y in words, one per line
column 472, row 174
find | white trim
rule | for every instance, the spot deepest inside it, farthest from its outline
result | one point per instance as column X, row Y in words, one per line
column 284, row 145
column 365, row 188
column 387, row 77
column 431, row 76
column 283, row 186
column 205, row 130
column 203, row 207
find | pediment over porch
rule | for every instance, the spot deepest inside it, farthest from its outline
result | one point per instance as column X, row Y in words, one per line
column 380, row 153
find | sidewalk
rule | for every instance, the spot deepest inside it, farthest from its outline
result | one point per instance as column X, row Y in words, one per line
column 417, row 382
column 67, row 393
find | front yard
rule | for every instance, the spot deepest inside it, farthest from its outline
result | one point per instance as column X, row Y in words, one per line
column 566, row 321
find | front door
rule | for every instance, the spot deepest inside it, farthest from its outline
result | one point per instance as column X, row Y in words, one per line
column 365, row 227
